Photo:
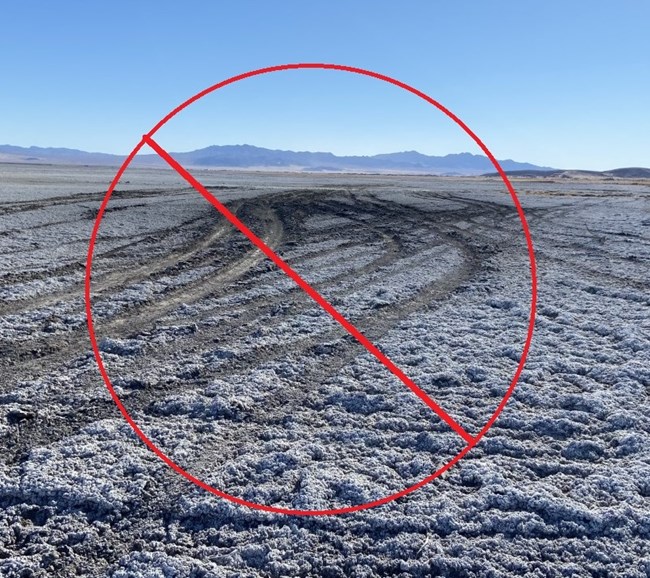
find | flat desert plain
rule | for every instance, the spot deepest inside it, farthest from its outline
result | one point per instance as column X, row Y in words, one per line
column 247, row 384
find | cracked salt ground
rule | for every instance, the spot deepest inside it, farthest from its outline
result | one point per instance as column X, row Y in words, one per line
column 239, row 377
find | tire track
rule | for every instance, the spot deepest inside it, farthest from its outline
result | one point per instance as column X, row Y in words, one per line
column 279, row 220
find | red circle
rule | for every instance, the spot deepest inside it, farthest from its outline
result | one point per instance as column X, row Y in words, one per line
column 457, row 457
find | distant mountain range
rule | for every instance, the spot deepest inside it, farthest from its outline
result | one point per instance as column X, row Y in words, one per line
column 624, row 173
column 252, row 157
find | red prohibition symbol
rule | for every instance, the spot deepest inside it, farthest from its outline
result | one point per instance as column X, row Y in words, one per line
column 470, row 440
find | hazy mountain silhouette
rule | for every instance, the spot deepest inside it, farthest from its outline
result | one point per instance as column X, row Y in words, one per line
column 252, row 157
column 248, row 156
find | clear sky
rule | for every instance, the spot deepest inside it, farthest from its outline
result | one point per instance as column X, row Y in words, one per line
column 557, row 83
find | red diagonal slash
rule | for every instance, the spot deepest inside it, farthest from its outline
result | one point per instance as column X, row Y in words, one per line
column 360, row 337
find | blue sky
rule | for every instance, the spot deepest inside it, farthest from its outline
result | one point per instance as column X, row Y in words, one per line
column 556, row 83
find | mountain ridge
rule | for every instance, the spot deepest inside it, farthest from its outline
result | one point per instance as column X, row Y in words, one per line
column 247, row 156
column 250, row 156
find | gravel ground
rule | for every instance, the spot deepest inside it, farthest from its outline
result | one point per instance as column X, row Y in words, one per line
column 247, row 384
